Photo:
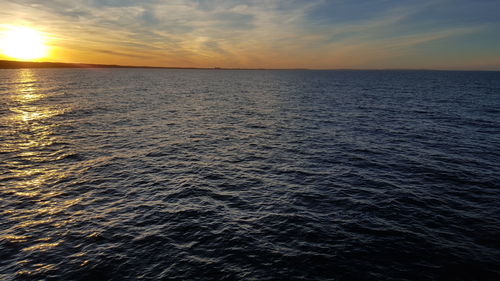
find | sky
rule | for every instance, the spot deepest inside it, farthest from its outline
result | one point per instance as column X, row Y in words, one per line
column 317, row 34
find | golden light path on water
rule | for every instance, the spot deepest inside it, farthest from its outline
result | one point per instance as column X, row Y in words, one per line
column 29, row 134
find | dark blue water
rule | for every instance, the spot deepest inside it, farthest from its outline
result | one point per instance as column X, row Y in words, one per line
column 136, row 174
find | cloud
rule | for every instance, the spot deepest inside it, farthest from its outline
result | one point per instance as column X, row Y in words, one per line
column 259, row 33
column 215, row 47
column 121, row 54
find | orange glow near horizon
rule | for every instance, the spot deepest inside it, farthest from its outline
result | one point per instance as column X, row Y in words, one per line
column 23, row 43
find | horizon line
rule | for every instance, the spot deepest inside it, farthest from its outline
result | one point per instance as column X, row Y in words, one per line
column 13, row 64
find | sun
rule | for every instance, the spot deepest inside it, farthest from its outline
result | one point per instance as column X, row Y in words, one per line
column 23, row 43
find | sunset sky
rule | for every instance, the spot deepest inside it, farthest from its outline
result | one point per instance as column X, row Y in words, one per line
column 439, row 34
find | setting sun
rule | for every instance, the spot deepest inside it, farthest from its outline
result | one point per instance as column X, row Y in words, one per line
column 23, row 43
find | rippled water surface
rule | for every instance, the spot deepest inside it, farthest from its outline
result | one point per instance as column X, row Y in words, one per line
column 137, row 174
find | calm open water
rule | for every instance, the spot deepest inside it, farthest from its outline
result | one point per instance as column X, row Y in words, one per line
column 137, row 174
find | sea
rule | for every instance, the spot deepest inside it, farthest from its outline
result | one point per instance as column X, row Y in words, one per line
column 178, row 174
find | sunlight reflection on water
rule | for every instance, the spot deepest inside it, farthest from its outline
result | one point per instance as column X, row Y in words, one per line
column 28, row 131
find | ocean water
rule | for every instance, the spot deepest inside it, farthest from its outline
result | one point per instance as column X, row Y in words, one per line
column 148, row 174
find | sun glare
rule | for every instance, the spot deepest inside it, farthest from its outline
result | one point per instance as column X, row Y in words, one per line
column 23, row 43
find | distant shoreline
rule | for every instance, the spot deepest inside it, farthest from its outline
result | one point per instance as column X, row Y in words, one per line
column 7, row 64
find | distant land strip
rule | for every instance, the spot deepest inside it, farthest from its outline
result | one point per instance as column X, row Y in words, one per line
column 7, row 64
